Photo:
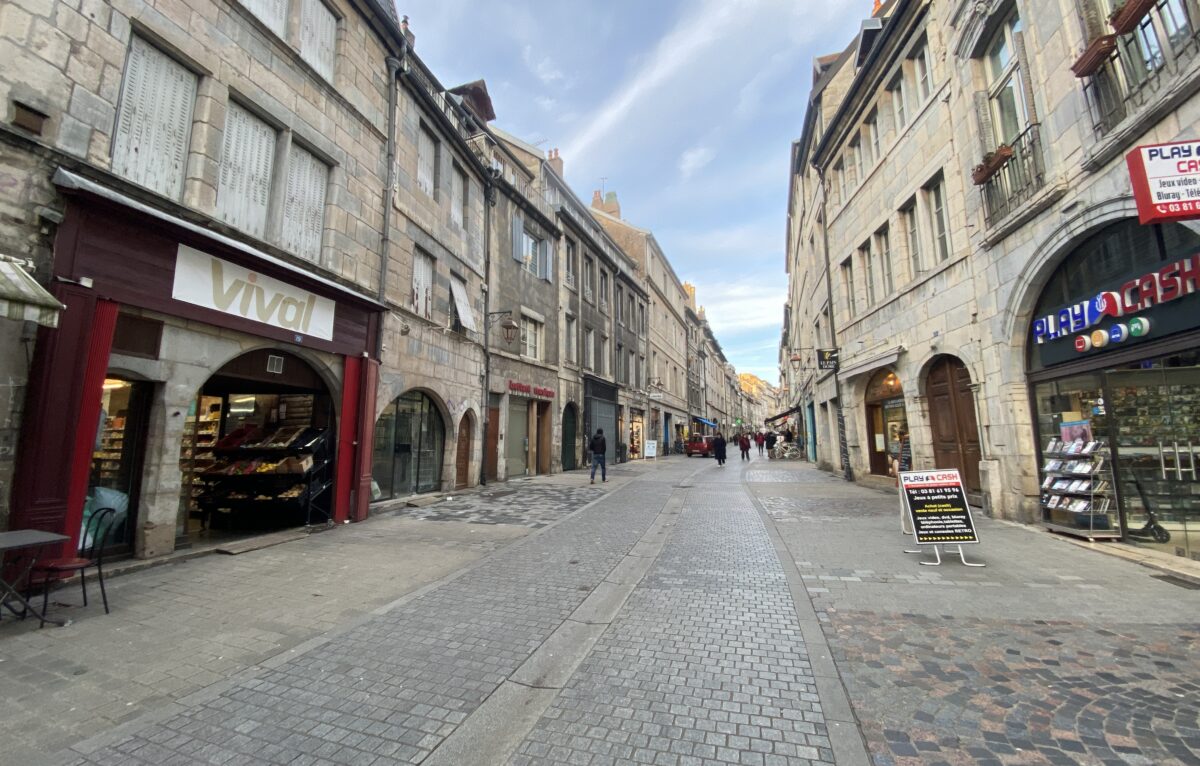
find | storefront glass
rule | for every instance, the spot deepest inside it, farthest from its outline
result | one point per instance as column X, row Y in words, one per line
column 409, row 445
column 886, row 420
column 116, row 457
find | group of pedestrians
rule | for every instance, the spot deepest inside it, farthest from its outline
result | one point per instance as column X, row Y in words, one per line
column 765, row 443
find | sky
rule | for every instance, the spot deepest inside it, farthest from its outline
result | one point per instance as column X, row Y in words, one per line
column 685, row 108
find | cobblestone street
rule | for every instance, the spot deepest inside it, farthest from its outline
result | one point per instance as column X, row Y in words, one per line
column 682, row 614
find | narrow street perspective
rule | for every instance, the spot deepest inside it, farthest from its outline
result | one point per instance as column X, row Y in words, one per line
column 684, row 613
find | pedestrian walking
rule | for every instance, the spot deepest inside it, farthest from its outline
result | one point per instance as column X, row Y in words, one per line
column 599, row 446
column 788, row 436
column 760, row 439
column 771, row 439
column 744, row 446
column 719, row 448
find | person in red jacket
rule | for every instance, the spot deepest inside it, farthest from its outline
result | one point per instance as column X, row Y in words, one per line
column 760, row 439
column 744, row 445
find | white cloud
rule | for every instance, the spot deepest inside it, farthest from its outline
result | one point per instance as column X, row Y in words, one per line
column 547, row 103
column 694, row 159
column 544, row 69
column 742, row 306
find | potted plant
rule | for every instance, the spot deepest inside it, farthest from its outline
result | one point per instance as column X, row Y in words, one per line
column 1126, row 16
column 1094, row 56
column 992, row 162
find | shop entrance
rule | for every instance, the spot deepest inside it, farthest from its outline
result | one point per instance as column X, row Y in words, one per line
column 462, row 462
column 952, row 420
column 116, row 471
column 636, row 426
column 569, row 437
column 886, row 420
column 410, row 442
column 256, row 453
column 544, row 436
column 516, row 440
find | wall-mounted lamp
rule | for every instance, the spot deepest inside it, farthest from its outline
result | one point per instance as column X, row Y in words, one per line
column 508, row 325
column 797, row 361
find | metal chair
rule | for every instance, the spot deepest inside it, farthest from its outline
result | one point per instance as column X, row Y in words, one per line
column 91, row 554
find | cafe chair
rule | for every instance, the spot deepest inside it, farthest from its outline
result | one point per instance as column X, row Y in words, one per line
column 91, row 554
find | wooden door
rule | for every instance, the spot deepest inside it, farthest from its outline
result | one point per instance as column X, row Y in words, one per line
column 491, row 444
column 462, row 463
column 952, row 420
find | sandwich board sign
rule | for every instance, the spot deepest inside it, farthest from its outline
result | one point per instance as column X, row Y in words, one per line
column 651, row 449
column 935, row 503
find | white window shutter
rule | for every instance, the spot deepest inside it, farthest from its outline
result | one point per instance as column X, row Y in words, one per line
column 318, row 36
column 246, row 162
column 273, row 13
column 518, row 234
column 304, row 208
column 546, row 263
column 154, row 122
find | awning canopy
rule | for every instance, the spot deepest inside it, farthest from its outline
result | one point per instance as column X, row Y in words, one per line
column 22, row 298
column 785, row 413
column 709, row 423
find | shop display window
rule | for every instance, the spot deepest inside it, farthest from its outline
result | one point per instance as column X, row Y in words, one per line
column 409, row 444
column 117, row 457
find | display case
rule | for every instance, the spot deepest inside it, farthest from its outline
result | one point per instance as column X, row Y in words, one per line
column 1079, row 496
column 272, row 479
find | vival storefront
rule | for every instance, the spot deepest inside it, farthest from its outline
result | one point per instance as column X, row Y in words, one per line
column 196, row 384
column 1114, row 372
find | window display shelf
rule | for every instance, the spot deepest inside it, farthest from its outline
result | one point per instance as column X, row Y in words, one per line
column 1077, row 495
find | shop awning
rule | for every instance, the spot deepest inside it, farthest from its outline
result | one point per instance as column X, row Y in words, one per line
column 22, row 298
column 463, row 304
column 709, row 423
column 785, row 413
column 856, row 368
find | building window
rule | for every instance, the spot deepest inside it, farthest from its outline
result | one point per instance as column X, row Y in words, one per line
column 856, row 159
column 409, row 447
column 427, row 161
column 154, row 122
column 899, row 107
column 458, row 197
column 621, row 363
column 1005, row 90
column 839, row 175
column 935, row 201
column 867, row 259
column 619, row 305
column 461, row 317
column 247, row 160
column 589, row 348
column 531, row 338
column 641, row 372
column 530, row 246
column 570, row 339
column 422, row 285
column 642, row 319
column 923, row 74
column 848, row 283
column 273, row 13
column 589, row 274
column 318, row 36
column 912, row 235
column 603, row 290
column 572, row 263
column 602, row 356
column 883, row 251
column 304, row 206
column 873, row 155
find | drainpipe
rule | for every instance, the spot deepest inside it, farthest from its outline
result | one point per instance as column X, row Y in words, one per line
column 393, row 66
column 847, row 471
column 489, row 200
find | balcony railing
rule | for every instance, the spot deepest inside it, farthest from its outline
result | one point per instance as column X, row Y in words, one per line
column 1143, row 62
column 1018, row 180
column 570, row 280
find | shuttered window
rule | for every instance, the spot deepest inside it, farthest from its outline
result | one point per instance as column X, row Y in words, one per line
column 304, row 208
column 246, row 162
column 318, row 36
column 458, row 199
column 273, row 13
column 426, row 161
column 154, row 121
column 422, row 285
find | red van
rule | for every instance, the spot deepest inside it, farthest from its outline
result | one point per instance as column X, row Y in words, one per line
column 699, row 445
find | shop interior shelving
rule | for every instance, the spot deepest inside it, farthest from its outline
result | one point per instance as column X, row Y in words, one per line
column 1079, row 495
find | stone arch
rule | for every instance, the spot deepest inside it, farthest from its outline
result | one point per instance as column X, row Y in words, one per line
column 464, row 449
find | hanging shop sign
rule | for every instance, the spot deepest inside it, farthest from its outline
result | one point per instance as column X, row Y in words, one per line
column 524, row 388
column 827, row 359
column 937, row 508
column 1166, row 181
column 1144, row 304
column 213, row 283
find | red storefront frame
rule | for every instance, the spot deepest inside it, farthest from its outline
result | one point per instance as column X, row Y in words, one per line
column 128, row 257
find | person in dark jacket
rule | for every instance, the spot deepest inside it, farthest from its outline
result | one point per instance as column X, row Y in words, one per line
column 718, row 445
column 771, row 439
column 760, row 439
column 744, row 446
column 599, row 446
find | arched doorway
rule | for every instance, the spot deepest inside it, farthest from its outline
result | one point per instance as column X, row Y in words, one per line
column 462, row 461
column 569, row 429
column 886, row 420
column 257, row 448
column 952, row 419
column 410, row 440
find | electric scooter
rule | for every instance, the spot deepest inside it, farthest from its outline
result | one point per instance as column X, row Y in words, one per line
column 1151, row 531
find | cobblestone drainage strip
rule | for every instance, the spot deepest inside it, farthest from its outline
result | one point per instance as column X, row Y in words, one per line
column 1178, row 581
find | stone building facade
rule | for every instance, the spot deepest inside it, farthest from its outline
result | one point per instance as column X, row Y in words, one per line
column 961, row 173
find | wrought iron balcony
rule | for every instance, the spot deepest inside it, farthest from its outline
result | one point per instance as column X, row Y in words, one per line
column 570, row 280
column 1018, row 180
column 1144, row 62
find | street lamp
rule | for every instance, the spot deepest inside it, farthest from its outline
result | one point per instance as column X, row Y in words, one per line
column 796, row 361
column 508, row 325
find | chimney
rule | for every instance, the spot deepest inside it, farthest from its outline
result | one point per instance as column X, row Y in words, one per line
column 611, row 206
column 555, row 162
column 597, row 200
column 875, row 10
column 408, row 35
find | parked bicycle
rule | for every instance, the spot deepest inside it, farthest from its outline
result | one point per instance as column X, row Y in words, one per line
column 787, row 451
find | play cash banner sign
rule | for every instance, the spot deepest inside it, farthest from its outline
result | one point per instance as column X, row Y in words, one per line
column 203, row 280
column 937, row 505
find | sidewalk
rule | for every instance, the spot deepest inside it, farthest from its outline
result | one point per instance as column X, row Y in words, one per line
column 1051, row 654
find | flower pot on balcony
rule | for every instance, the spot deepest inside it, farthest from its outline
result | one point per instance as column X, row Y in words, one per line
column 1094, row 56
column 1126, row 18
column 992, row 162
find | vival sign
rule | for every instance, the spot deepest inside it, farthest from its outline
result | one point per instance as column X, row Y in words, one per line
column 202, row 280
column 1166, row 181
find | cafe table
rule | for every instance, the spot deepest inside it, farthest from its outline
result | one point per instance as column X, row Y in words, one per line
column 27, row 544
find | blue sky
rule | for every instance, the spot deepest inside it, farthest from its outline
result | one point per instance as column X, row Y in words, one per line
column 687, row 110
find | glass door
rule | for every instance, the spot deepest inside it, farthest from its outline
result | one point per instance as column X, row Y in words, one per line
column 1156, row 408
